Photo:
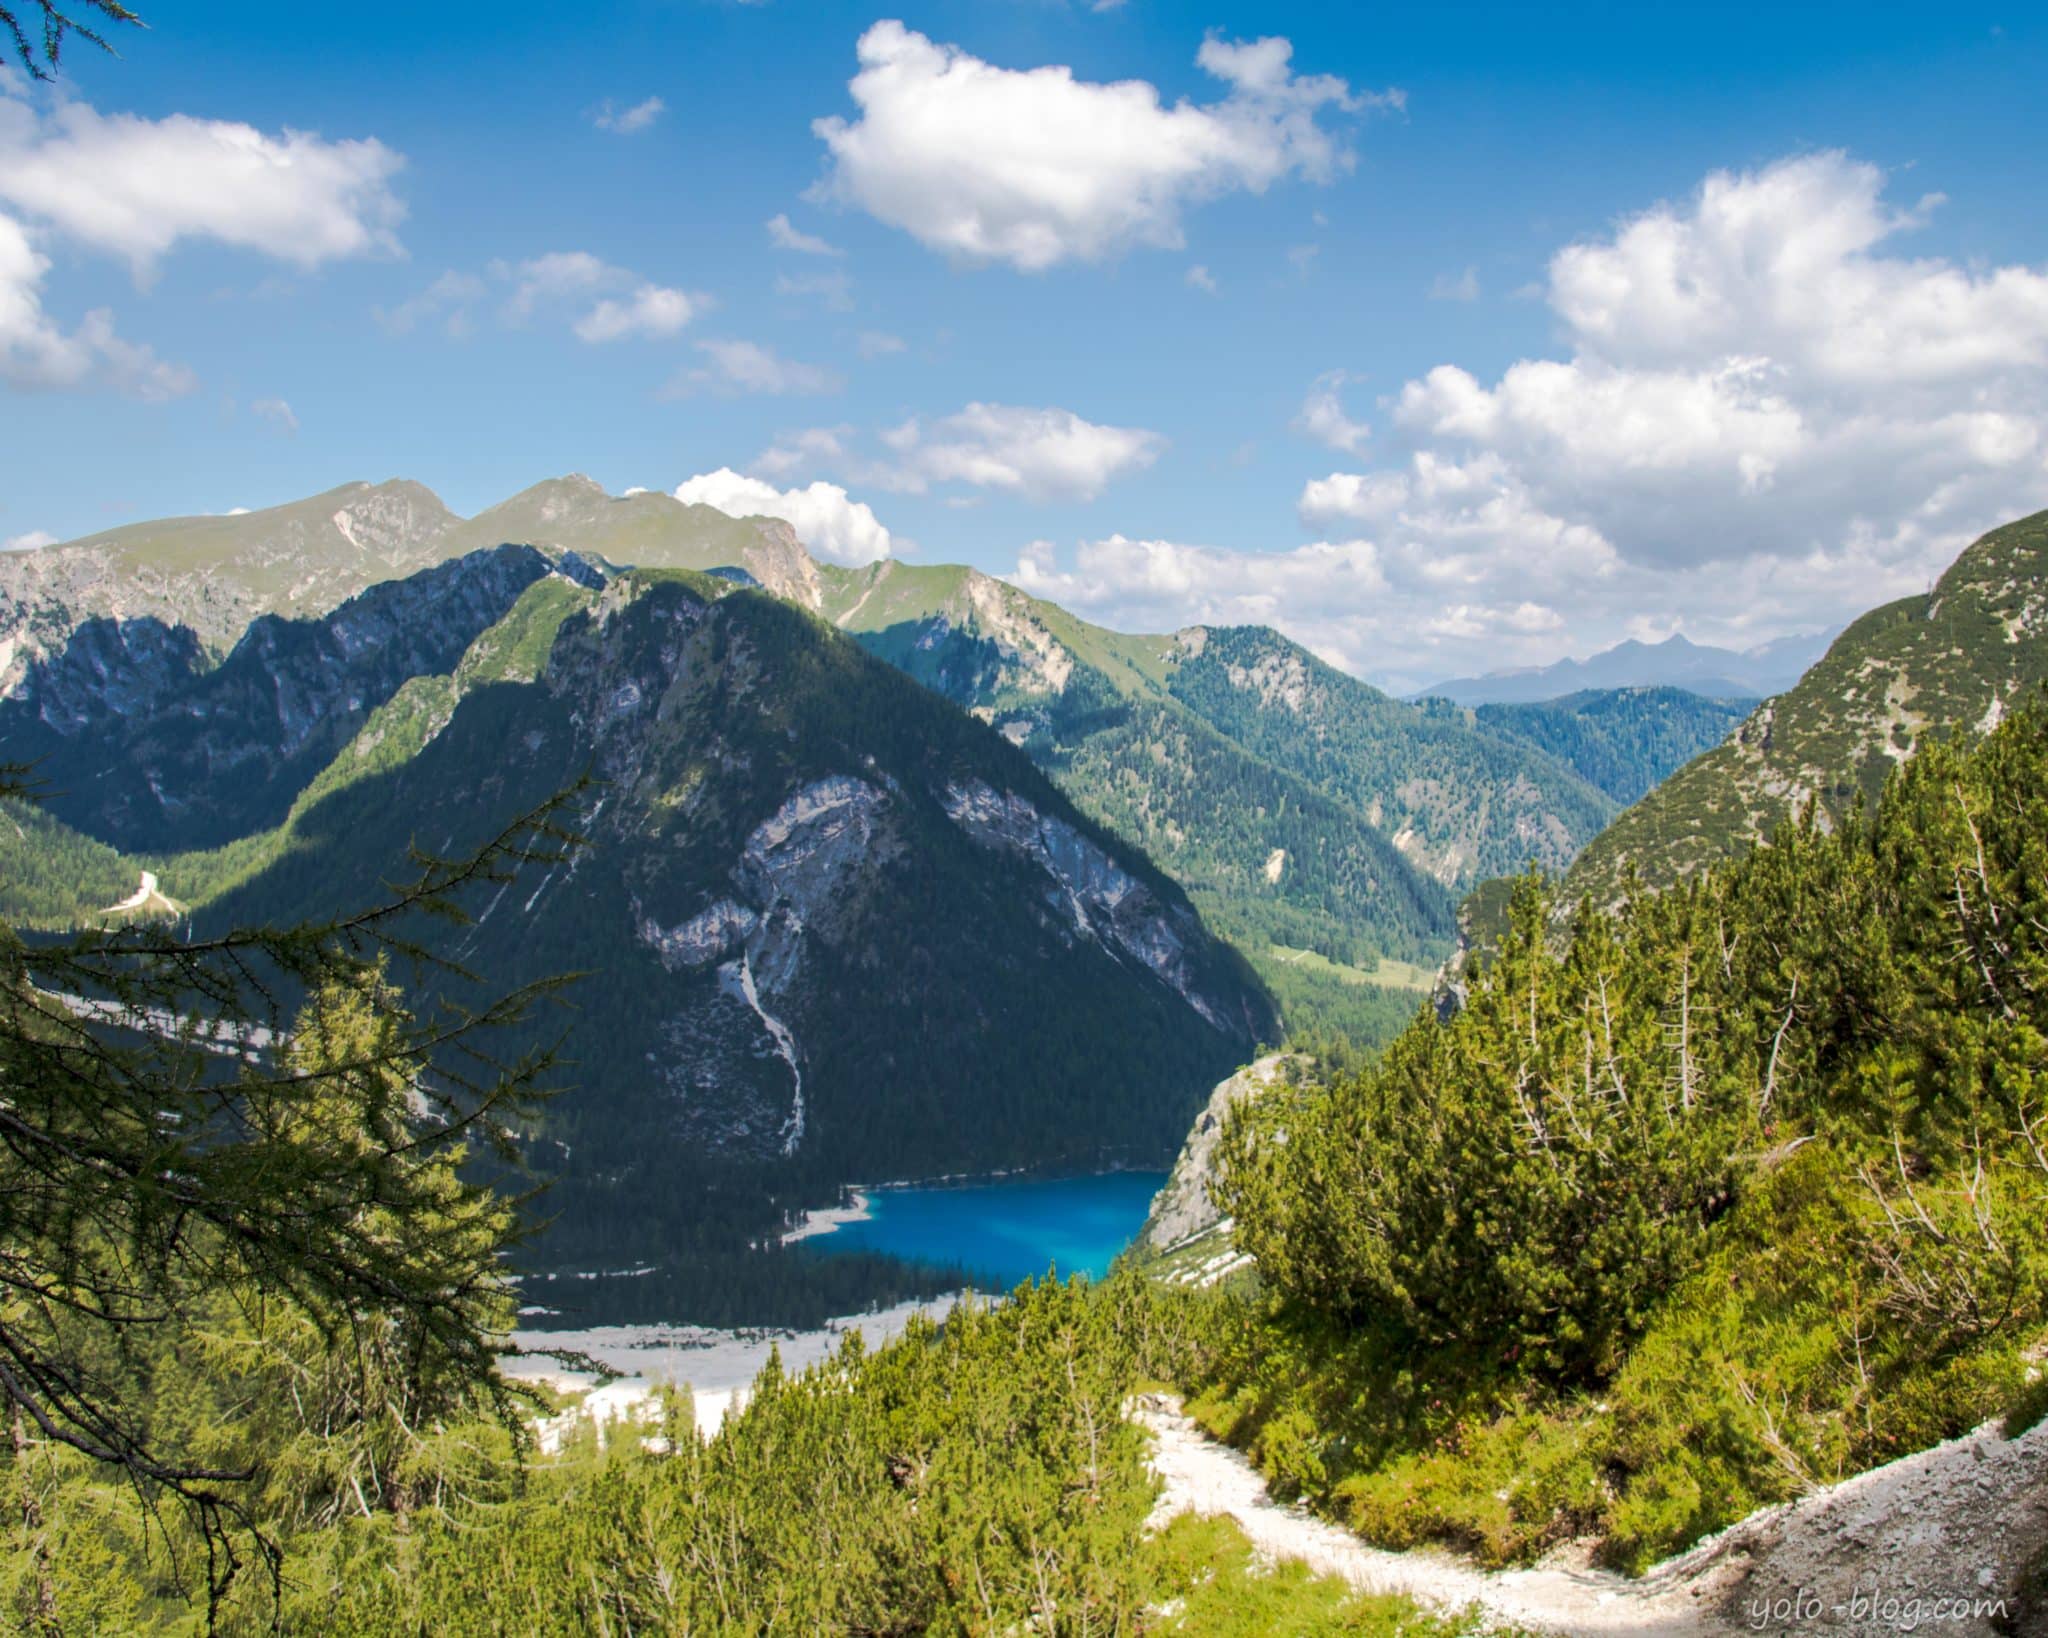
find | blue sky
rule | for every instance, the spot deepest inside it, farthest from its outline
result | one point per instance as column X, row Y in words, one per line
column 1459, row 336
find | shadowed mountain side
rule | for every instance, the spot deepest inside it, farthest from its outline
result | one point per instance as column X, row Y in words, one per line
column 836, row 930
column 144, row 749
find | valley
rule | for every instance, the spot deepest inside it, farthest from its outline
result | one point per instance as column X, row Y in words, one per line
column 1254, row 842
column 743, row 783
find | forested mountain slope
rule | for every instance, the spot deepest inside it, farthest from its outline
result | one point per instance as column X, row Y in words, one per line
column 1720, row 1197
column 837, row 930
column 1951, row 661
column 1624, row 741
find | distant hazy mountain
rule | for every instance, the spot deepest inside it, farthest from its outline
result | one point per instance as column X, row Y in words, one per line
column 1950, row 661
column 1717, row 673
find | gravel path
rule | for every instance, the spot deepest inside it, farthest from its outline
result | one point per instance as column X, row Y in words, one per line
column 1875, row 1554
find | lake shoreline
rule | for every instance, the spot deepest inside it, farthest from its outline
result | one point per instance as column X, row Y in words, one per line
column 858, row 1202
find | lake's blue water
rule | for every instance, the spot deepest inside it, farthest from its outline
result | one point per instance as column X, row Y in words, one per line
column 1006, row 1230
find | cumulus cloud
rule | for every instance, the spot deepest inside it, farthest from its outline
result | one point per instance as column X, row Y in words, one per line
column 1200, row 278
column 1038, row 454
column 277, row 410
column 1035, row 167
column 1322, row 415
column 600, row 302
column 826, row 519
column 134, row 187
column 1766, row 418
column 1041, row 454
column 784, row 235
column 38, row 352
column 652, row 310
column 28, row 542
column 748, row 367
column 628, row 121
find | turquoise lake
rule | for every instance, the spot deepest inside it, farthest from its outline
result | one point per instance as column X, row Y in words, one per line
column 1003, row 1231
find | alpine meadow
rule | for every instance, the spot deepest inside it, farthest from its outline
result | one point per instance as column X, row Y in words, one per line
column 1090, row 819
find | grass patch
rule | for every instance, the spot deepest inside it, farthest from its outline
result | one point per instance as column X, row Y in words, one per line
column 1208, row 1583
column 1389, row 974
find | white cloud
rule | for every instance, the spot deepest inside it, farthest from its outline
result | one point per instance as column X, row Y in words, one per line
column 1767, row 419
column 652, row 310
column 879, row 344
column 28, row 542
column 1153, row 583
column 628, row 121
column 825, row 517
column 1200, row 278
column 785, row 236
column 541, row 280
column 1323, row 419
column 275, row 409
column 1035, row 167
column 747, row 367
column 134, row 187
column 621, row 304
column 1039, row 454
column 37, row 352
column 813, row 449
column 1455, row 287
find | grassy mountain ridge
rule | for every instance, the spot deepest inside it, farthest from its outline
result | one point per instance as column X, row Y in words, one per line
column 1953, row 660
column 215, row 575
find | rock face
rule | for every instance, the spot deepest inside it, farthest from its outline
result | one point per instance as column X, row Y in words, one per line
column 1107, row 903
column 1184, row 1208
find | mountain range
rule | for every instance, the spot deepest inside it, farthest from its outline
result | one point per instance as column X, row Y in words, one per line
column 1676, row 662
column 1323, row 826
column 895, row 871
